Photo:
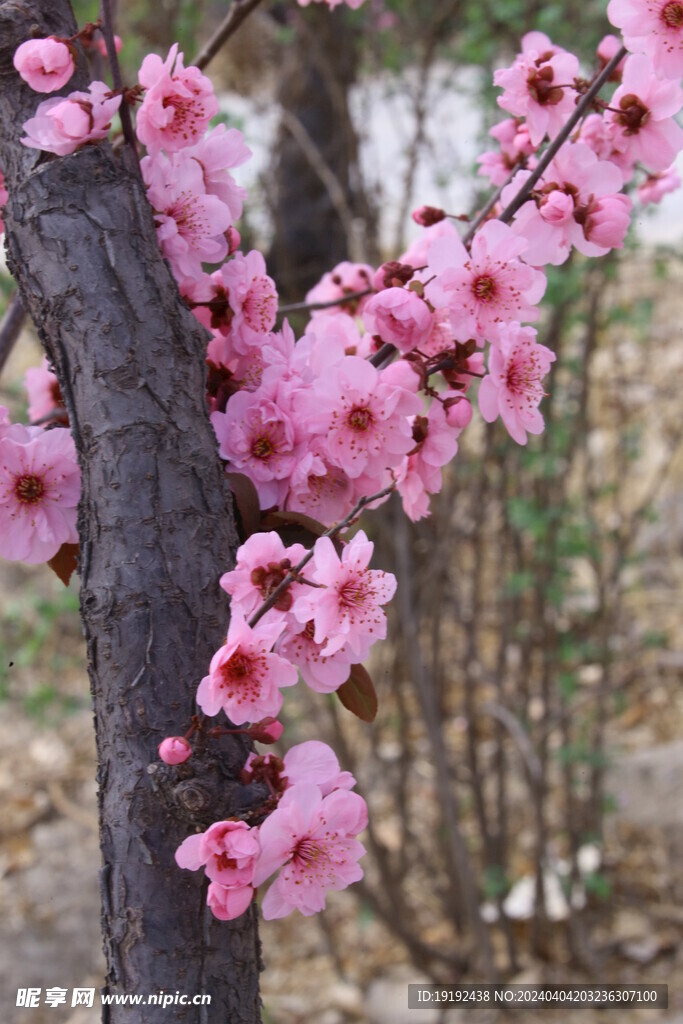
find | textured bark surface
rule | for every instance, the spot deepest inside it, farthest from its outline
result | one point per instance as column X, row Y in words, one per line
column 156, row 532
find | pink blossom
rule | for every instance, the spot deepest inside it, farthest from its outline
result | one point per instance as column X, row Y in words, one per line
column 46, row 64
column 43, row 391
column 228, row 902
column 190, row 224
column 178, row 104
column 245, row 678
column 239, row 300
column 416, row 255
column 654, row 27
column 324, row 673
column 101, row 45
column 218, row 151
column 656, row 186
column 489, row 287
column 227, row 851
column 515, row 147
column 39, row 492
column 363, row 419
column 577, row 203
column 539, row 86
column 263, row 562
column 318, row 487
column 258, row 437
column 311, row 838
column 315, row 762
column 347, row 609
column 175, row 750
column 607, row 48
column 399, row 317
column 346, row 279
column 513, row 388
column 642, row 115
column 61, row 125
column 436, row 445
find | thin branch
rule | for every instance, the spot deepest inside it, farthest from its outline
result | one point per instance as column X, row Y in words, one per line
column 10, row 327
column 238, row 12
column 490, row 203
column 332, row 532
column 124, row 111
column 295, row 307
column 559, row 140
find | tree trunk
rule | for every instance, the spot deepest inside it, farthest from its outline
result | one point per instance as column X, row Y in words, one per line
column 320, row 209
column 156, row 531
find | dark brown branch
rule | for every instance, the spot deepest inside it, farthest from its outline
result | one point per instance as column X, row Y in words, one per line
column 238, row 12
column 124, row 111
column 295, row 307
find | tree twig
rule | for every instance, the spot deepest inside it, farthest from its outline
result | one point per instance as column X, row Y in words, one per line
column 124, row 111
column 332, row 532
column 238, row 12
column 295, row 307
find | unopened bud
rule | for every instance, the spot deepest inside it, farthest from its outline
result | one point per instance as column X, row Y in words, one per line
column 174, row 750
column 233, row 238
column 428, row 215
column 267, row 731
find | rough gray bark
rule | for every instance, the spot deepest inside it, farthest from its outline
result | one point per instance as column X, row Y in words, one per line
column 156, row 530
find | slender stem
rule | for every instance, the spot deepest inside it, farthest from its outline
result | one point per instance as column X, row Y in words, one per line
column 124, row 112
column 239, row 10
column 559, row 140
column 295, row 307
column 10, row 327
column 491, row 202
column 332, row 532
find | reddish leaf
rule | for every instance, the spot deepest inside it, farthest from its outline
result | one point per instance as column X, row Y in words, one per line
column 358, row 695
column 246, row 500
column 64, row 562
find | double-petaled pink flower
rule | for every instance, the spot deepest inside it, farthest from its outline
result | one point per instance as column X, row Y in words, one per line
column 178, row 104
column 45, row 64
column 60, row 126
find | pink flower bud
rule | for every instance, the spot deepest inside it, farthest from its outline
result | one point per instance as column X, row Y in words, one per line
column 392, row 275
column 101, row 45
column 428, row 215
column 557, row 207
column 608, row 220
column 45, row 64
column 267, row 731
column 174, row 750
column 233, row 239
column 459, row 414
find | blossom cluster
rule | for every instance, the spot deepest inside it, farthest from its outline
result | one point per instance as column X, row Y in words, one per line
column 372, row 397
column 309, row 837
